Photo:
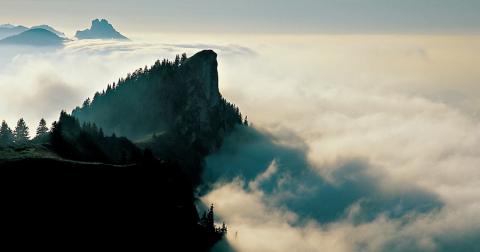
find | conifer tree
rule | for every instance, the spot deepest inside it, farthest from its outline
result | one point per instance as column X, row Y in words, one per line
column 183, row 59
column 245, row 122
column 21, row 135
column 86, row 103
column 6, row 135
column 210, row 219
column 177, row 60
column 42, row 129
column 224, row 229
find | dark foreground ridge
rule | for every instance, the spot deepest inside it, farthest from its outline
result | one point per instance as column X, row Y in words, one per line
column 145, row 205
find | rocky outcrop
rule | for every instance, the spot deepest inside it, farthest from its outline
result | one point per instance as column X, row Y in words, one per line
column 201, row 75
column 173, row 108
column 205, row 115
column 100, row 29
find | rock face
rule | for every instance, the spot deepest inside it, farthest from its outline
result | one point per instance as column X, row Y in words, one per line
column 34, row 37
column 201, row 118
column 201, row 74
column 100, row 29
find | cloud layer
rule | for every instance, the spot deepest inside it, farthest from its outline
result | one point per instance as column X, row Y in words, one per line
column 385, row 136
column 359, row 143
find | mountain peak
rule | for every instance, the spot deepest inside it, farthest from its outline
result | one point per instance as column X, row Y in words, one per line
column 100, row 29
column 205, row 54
column 202, row 71
column 100, row 21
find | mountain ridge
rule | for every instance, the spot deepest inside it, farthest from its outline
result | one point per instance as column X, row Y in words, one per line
column 99, row 29
column 34, row 37
column 7, row 30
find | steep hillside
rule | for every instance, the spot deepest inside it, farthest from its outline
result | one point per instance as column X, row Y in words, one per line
column 72, row 204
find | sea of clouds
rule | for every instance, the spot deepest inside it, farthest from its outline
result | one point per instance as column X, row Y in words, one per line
column 361, row 143
column 358, row 143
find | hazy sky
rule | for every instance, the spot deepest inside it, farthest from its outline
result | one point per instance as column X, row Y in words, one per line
column 357, row 16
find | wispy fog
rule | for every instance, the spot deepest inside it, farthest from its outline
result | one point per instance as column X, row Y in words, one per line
column 359, row 143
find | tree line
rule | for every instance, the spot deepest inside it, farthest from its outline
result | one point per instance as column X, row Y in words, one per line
column 207, row 221
column 20, row 135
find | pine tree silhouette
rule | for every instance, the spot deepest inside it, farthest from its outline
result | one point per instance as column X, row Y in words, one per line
column 224, row 230
column 6, row 135
column 21, row 135
column 183, row 59
column 42, row 129
column 211, row 220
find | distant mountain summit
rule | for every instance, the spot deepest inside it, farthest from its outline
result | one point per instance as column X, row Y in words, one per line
column 49, row 28
column 7, row 30
column 34, row 37
column 100, row 29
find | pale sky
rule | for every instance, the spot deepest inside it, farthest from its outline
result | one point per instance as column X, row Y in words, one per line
column 277, row 16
